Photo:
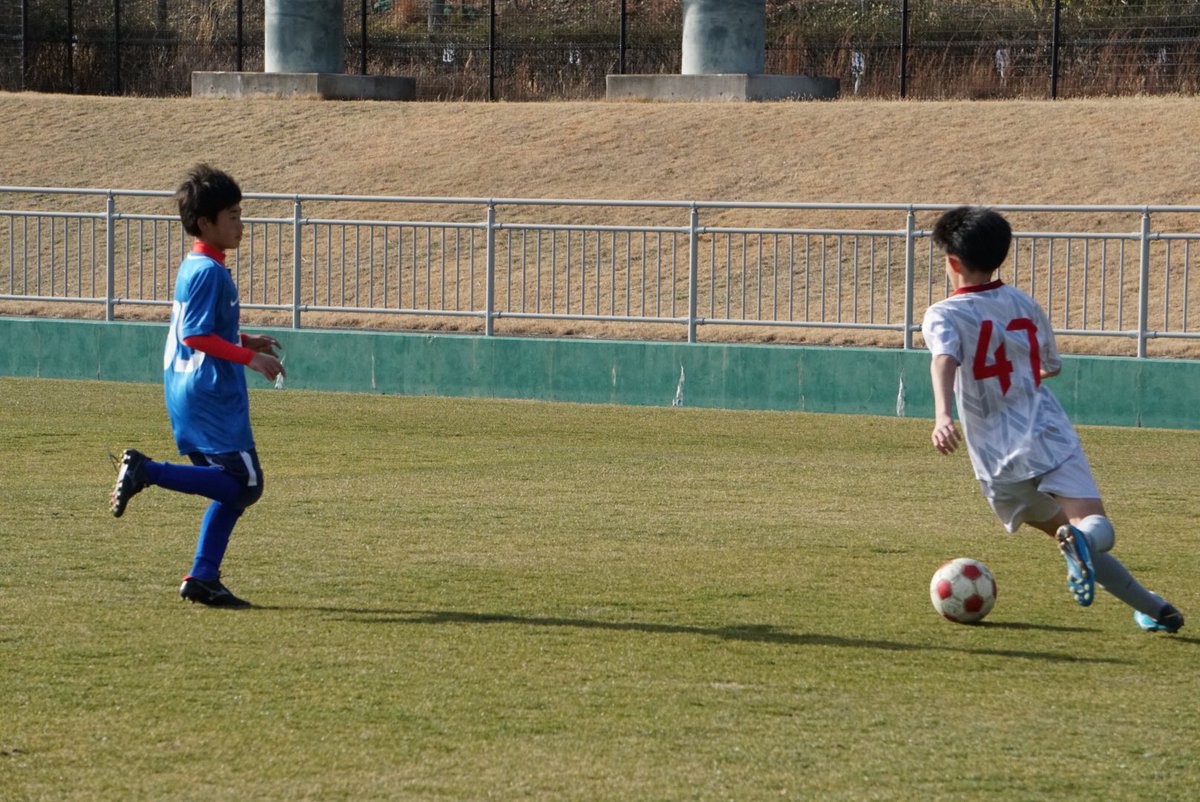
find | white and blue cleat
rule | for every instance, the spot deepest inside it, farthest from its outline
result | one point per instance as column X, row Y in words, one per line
column 1081, row 577
column 1169, row 620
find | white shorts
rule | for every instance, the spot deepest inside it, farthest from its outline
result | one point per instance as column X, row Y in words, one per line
column 1016, row 503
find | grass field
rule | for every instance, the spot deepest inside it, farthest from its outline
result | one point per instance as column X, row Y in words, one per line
column 471, row 599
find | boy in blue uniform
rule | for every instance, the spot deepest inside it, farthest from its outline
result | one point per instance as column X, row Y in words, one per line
column 205, row 386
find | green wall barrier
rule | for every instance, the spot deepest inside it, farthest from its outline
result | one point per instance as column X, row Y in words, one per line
column 1112, row 391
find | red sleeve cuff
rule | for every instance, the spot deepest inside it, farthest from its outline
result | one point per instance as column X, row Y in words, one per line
column 213, row 345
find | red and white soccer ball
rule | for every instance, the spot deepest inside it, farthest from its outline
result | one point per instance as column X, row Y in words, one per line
column 963, row 590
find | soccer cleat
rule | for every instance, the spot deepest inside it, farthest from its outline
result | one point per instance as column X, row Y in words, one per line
column 209, row 592
column 1081, row 577
column 1169, row 620
column 131, row 480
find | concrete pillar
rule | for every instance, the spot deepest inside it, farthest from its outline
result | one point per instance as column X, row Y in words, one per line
column 304, row 36
column 724, row 36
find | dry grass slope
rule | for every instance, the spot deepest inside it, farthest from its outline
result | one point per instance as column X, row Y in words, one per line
column 1125, row 150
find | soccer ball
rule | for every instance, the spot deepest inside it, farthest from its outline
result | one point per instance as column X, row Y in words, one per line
column 963, row 590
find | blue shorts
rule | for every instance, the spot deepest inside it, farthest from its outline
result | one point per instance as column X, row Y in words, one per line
column 240, row 465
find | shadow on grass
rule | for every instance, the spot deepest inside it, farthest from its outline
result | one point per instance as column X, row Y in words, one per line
column 754, row 633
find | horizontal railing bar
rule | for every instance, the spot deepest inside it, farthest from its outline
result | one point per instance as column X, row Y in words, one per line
column 1097, row 333
column 75, row 299
column 69, row 215
column 1174, row 335
column 814, row 232
column 580, row 227
column 808, row 324
column 168, row 218
column 375, row 310
column 144, row 302
column 596, row 318
column 1109, row 235
column 321, row 221
column 365, row 199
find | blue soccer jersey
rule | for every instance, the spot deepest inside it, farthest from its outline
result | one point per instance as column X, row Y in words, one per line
column 206, row 396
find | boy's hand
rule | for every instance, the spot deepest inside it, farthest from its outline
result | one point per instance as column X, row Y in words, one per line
column 267, row 365
column 946, row 436
column 261, row 343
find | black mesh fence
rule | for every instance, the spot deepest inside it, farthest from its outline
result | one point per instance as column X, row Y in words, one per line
column 564, row 49
column 10, row 44
column 515, row 49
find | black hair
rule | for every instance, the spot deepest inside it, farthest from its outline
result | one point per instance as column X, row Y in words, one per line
column 978, row 236
column 206, row 193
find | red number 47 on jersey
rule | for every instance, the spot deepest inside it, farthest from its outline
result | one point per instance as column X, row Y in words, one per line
column 1000, row 367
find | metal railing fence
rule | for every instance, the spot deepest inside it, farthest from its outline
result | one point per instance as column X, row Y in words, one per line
column 663, row 269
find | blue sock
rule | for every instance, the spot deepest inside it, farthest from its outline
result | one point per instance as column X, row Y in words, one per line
column 198, row 480
column 218, row 524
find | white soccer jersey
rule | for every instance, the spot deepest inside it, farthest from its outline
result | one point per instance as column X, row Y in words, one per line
column 1002, row 340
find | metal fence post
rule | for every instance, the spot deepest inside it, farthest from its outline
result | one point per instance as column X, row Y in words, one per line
column 904, row 48
column 621, row 44
column 1144, row 286
column 71, row 46
column 24, row 45
column 116, row 47
column 241, row 13
column 1055, row 33
column 491, row 92
column 362, row 56
column 490, row 277
column 693, row 272
column 297, row 208
column 110, row 255
column 910, row 271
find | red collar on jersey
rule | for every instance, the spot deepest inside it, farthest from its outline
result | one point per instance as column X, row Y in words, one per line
column 991, row 285
column 209, row 251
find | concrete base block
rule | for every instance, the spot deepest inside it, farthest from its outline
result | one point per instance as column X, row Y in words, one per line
column 320, row 85
column 728, row 86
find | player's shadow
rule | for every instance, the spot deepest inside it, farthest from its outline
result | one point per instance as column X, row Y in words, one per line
column 1022, row 625
column 1173, row 638
column 754, row 633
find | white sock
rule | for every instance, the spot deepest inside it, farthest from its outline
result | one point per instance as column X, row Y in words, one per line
column 1111, row 574
column 1099, row 532
column 1116, row 579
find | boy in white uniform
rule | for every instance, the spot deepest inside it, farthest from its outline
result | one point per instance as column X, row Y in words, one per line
column 992, row 345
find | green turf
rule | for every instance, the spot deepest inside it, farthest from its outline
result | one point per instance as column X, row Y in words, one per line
column 473, row 599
